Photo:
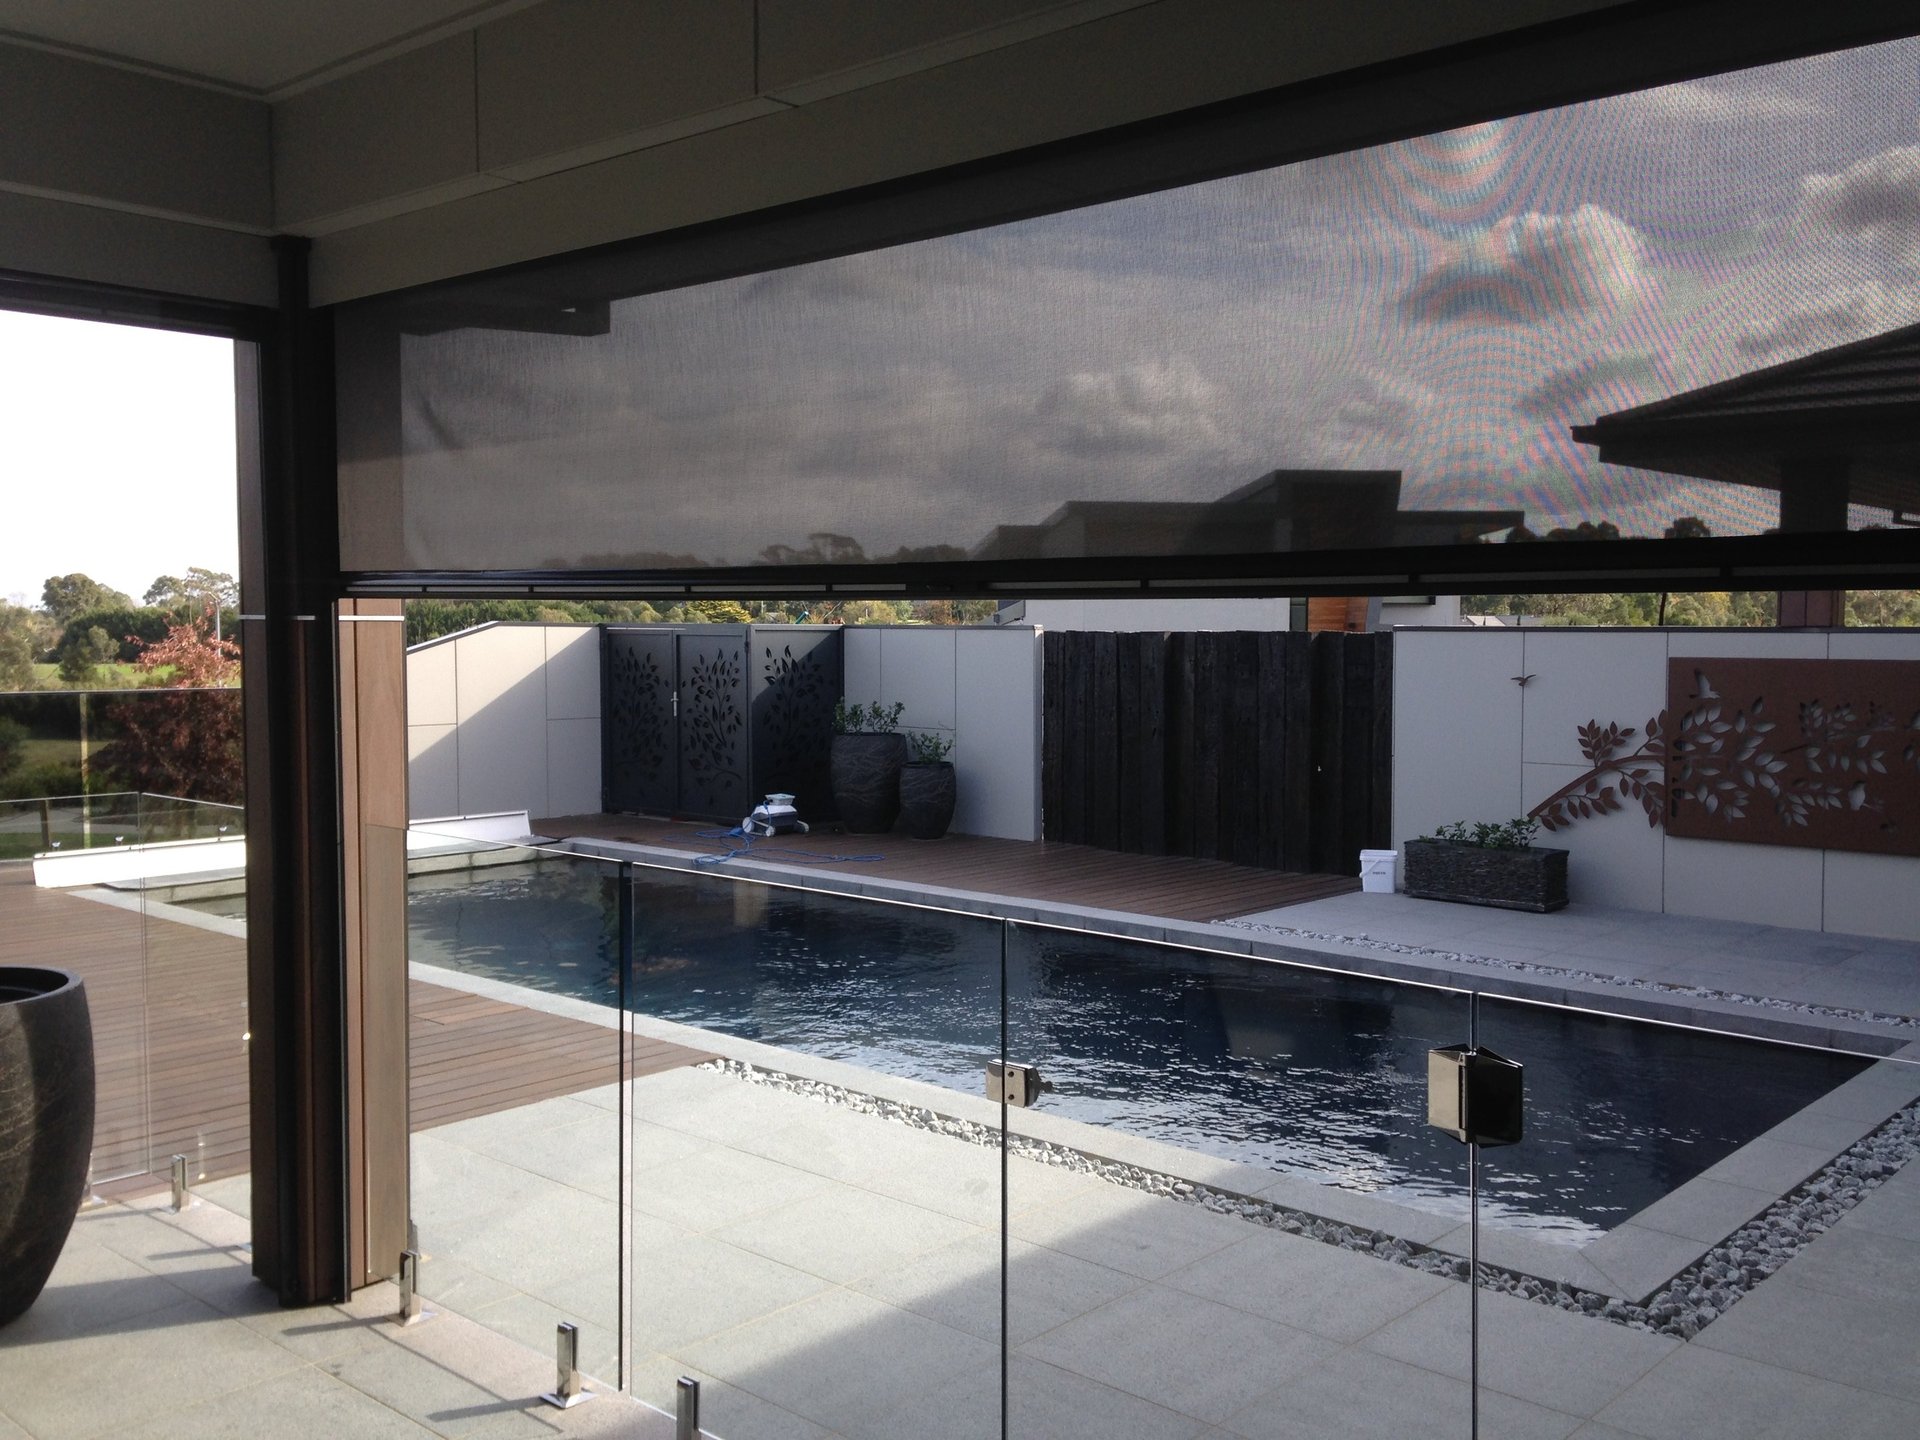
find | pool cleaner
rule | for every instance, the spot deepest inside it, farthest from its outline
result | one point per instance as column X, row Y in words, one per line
column 776, row 816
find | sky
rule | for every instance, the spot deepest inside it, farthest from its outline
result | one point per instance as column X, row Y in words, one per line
column 116, row 454
column 1446, row 307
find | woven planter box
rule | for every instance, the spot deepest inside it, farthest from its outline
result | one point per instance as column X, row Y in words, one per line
column 1531, row 879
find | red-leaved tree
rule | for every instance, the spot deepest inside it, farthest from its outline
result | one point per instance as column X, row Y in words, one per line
column 187, row 744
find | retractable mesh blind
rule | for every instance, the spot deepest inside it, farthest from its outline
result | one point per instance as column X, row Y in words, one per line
column 1489, row 335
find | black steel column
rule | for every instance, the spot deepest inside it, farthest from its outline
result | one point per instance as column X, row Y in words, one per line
column 295, row 958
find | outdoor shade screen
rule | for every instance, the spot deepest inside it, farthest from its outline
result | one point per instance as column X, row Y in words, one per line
column 1489, row 335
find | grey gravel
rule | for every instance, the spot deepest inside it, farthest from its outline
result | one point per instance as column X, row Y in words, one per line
column 1685, row 1306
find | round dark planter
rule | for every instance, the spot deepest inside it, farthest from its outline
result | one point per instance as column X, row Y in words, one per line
column 926, row 799
column 865, row 772
column 46, row 1124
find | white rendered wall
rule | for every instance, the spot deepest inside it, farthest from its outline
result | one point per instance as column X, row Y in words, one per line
column 505, row 717
column 980, row 687
column 1471, row 743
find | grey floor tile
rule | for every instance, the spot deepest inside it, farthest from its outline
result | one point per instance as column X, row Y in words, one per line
column 1703, row 1394
column 455, row 1377
column 1836, row 1337
column 1892, row 1209
column 1565, row 1362
column 1859, row 1264
column 1129, row 1230
column 1357, row 1395
column 1639, row 1261
column 842, row 1233
column 1042, row 1401
column 1704, row 1210
column 690, row 1289
column 725, row 1410
column 716, row 1186
column 1305, row 1284
column 300, row 1406
column 959, row 1285
column 844, row 1361
column 115, row 1374
column 1769, row 1165
column 1202, row 1359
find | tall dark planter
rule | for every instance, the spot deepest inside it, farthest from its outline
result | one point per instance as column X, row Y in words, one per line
column 46, row 1124
column 927, row 794
column 865, row 774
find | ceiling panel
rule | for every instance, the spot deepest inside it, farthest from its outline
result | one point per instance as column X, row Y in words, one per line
column 261, row 46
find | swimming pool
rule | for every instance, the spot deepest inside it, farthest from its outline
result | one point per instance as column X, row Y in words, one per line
column 1295, row 1070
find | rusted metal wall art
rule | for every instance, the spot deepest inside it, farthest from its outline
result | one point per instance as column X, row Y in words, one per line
column 1816, row 753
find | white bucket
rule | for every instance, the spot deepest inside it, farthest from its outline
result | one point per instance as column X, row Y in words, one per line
column 1376, row 871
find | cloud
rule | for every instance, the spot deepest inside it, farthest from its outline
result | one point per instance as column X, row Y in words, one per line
column 1379, row 406
column 1853, row 313
column 1528, row 268
column 1610, row 382
column 1140, row 409
column 1712, row 102
column 1876, row 199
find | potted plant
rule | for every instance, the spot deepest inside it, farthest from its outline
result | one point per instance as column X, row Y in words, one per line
column 864, row 765
column 1488, row 863
column 46, row 1124
column 927, row 788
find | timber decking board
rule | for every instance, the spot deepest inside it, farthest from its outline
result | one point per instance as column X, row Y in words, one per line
column 1171, row 887
column 170, row 1063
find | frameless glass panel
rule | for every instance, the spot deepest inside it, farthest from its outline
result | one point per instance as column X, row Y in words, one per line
column 816, row 1169
column 1731, row 1226
column 1227, row 1208
column 54, row 913
column 190, row 883
column 515, row 1049
column 1555, row 327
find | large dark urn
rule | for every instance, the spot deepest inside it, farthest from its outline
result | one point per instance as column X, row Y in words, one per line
column 46, row 1124
column 865, row 771
column 927, row 793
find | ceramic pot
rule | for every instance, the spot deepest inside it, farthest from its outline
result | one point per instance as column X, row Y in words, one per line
column 46, row 1124
column 927, row 792
column 865, row 774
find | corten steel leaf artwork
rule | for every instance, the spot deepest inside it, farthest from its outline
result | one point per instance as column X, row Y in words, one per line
column 1835, row 764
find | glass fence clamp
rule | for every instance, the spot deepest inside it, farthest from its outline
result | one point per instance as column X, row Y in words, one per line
column 1013, row 1084
column 1474, row 1094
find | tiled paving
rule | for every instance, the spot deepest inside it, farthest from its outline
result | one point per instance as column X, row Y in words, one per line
column 1841, row 972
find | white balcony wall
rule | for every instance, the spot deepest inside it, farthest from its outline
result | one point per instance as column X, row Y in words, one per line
column 1485, row 727
column 979, row 687
column 505, row 717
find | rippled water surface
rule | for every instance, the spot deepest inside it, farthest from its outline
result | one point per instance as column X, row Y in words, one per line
column 1298, row 1071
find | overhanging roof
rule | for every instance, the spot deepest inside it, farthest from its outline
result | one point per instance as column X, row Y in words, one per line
column 1858, row 402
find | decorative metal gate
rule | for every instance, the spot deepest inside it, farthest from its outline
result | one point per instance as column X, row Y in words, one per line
column 701, row 721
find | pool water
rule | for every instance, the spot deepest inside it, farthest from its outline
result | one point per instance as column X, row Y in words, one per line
column 1298, row 1071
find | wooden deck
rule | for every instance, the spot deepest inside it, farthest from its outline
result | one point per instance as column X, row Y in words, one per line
column 1168, row 886
column 169, row 1011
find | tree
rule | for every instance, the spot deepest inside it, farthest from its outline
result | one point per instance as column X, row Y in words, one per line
column 13, row 743
column 1687, row 527
column 66, row 597
column 21, row 642
column 190, row 744
column 192, row 595
column 82, row 655
column 128, row 629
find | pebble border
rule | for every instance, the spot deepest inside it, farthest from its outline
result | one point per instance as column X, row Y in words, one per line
column 1591, row 977
column 1686, row 1305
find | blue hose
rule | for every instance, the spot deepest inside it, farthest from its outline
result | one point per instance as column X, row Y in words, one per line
column 747, row 847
